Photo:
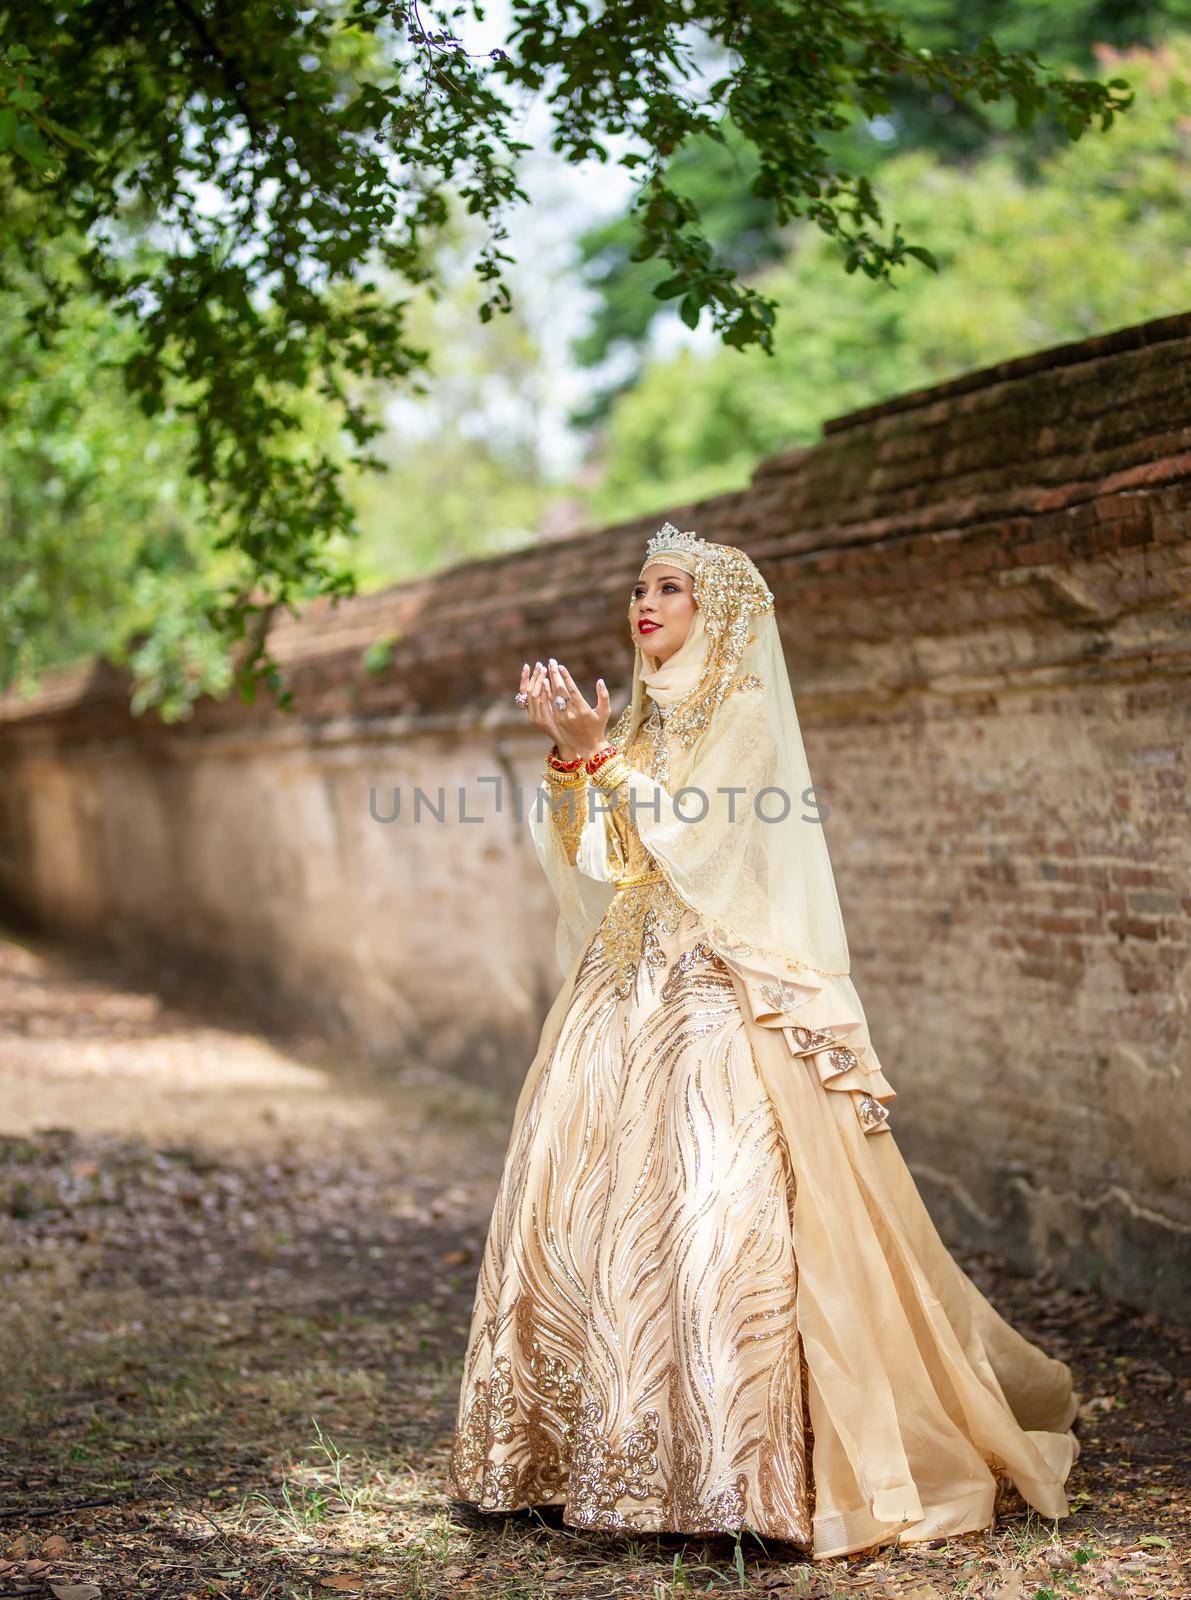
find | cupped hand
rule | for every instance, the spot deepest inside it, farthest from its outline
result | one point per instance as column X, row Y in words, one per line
column 579, row 729
column 583, row 726
column 540, row 707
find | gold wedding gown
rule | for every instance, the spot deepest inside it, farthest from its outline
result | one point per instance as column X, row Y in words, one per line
column 711, row 1297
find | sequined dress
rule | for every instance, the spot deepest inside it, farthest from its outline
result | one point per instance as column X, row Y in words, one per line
column 635, row 1351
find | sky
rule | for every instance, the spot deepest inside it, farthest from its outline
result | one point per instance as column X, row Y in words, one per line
column 565, row 200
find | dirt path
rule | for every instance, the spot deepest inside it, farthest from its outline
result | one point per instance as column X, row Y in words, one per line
column 237, row 1272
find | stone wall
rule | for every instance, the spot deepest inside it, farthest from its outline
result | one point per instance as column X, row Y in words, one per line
column 983, row 591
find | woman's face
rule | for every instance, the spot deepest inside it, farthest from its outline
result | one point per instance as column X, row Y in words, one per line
column 661, row 610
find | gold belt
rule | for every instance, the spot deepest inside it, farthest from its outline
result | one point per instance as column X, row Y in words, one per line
column 635, row 882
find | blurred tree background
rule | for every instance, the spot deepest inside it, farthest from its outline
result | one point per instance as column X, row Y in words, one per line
column 1038, row 240
column 591, row 398
column 1079, row 239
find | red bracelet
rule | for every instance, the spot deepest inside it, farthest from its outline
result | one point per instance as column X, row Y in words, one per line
column 559, row 765
column 596, row 761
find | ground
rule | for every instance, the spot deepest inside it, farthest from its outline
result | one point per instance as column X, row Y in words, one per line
column 238, row 1267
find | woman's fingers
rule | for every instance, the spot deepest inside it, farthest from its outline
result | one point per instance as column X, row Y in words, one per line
column 566, row 686
column 542, row 709
column 538, row 707
column 577, row 723
column 571, row 690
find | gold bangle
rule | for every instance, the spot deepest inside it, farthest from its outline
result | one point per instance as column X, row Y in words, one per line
column 612, row 773
column 565, row 780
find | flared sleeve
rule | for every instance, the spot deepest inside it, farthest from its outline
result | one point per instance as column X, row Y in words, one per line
column 570, row 837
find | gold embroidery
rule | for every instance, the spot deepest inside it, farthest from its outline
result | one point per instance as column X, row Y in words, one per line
column 812, row 1039
column 782, row 996
column 841, row 1056
column 652, row 952
column 487, row 1421
column 651, row 746
column 730, row 596
column 630, row 927
column 699, row 955
column 567, row 804
column 872, row 1113
column 539, row 1428
column 619, row 729
column 685, row 1507
column 645, row 906
column 603, row 1472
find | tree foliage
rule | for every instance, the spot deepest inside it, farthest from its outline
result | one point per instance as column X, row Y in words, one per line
column 741, row 226
column 247, row 182
column 745, row 229
column 1097, row 237
column 101, row 543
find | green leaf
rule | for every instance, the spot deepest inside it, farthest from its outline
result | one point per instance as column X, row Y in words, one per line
column 29, row 144
column 670, row 289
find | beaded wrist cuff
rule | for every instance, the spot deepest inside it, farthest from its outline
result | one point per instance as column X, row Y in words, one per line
column 595, row 761
column 554, row 760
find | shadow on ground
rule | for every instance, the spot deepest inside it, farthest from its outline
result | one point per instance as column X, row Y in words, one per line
column 237, row 1273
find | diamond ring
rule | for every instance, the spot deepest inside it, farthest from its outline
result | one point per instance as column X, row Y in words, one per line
column 521, row 699
column 561, row 701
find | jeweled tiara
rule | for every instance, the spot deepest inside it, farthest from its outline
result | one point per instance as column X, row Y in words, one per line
column 669, row 538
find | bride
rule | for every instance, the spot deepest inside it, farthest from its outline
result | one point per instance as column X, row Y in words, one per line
column 711, row 1297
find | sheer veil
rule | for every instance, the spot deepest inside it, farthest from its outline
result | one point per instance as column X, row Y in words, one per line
column 742, row 838
column 733, row 821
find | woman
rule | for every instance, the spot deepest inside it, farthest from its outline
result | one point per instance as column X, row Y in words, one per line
column 711, row 1297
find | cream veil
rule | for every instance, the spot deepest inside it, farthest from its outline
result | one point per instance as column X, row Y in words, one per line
column 734, row 823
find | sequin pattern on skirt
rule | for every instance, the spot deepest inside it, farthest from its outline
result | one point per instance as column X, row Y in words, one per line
column 634, row 1354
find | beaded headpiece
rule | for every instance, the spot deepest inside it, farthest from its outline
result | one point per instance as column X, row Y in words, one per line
column 669, row 538
column 730, row 592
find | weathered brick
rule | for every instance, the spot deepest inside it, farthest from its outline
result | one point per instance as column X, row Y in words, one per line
column 983, row 591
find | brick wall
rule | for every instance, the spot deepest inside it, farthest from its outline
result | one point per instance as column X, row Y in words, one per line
column 983, row 591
